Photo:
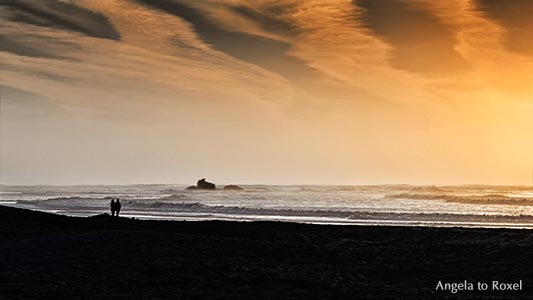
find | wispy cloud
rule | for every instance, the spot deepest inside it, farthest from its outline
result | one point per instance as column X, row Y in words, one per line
column 157, row 54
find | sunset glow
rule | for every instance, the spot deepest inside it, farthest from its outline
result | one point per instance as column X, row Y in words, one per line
column 269, row 91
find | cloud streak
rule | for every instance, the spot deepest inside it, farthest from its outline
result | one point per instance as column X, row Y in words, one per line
column 515, row 17
column 62, row 15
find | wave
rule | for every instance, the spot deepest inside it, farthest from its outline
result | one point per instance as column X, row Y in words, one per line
column 59, row 199
column 473, row 199
column 429, row 189
column 175, row 197
column 195, row 207
column 187, row 209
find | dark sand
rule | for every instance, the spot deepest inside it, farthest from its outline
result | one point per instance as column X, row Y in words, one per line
column 45, row 256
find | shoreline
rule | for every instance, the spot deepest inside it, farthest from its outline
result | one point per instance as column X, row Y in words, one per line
column 51, row 256
column 197, row 212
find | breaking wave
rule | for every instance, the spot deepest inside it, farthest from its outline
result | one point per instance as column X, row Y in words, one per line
column 473, row 199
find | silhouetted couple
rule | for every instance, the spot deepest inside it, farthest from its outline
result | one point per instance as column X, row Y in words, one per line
column 115, row 207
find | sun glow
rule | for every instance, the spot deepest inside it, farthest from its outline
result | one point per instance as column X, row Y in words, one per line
column 353, row 92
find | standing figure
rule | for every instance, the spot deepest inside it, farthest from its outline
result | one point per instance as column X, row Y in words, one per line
column 112, row 205
column 117, row 206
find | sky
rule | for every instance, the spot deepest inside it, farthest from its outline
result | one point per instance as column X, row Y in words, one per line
column 266, row 91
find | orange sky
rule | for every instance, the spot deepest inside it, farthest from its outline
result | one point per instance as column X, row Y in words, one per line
column 268, row 91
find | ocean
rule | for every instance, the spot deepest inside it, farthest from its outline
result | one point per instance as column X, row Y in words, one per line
column 463, row 206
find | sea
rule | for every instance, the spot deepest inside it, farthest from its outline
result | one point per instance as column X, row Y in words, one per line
column 380, row 205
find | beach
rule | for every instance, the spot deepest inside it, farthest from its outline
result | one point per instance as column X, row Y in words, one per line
column 47, row 256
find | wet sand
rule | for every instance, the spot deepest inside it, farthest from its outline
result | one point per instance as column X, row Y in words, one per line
column 46, row 256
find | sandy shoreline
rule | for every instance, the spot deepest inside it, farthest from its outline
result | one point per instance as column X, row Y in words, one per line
column 51, row 256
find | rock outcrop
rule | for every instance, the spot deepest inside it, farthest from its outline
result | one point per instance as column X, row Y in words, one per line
column 233, row 187
column 202, row 184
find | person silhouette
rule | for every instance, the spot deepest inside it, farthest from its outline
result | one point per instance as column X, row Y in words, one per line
column 112, row 205
column 117, row 206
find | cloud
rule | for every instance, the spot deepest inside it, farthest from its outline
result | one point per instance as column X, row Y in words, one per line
column 269, row 19
column 421, row 42
column 61, row 15
column 24, row 105
column 265, row 52
column 148, row 62
column 21, row 46
column 515, row 17
column 496, row 71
